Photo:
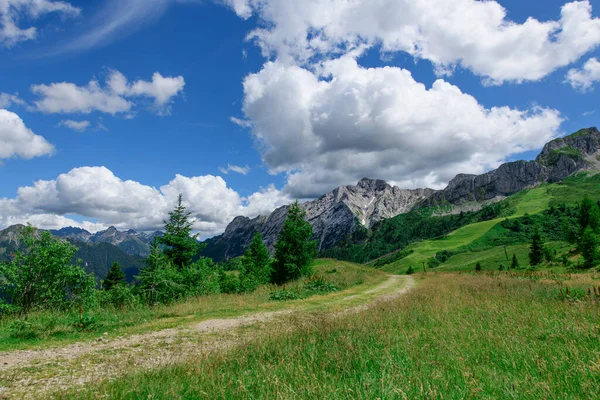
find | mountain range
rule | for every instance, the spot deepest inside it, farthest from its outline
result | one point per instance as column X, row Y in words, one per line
column 342, row 211
column 346, row 209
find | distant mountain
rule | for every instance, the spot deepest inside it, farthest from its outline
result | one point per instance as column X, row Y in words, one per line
column 341, row 212
column 136, row 244
column 96, row 258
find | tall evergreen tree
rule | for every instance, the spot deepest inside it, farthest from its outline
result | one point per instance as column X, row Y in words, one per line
column 515, row 262
column 257, row 261
column 294, row 251
column 114, row 277
column 180, row 246
column 536, row 252
column 589, row 215
column 588, row 246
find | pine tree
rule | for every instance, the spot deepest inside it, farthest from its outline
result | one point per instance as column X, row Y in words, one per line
column 515, row 262
column 536, row 252
column 180, row 246
column 114, row 277
column 589, row 248
column 257, row 261
column 294, row 251
column 478, row 267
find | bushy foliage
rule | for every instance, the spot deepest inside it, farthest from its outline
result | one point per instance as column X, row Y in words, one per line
column 588, row 246
column 41, row 276
column 162, row 282
column 294, row 251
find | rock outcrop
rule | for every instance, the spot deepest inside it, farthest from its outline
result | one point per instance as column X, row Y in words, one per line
column 559, row 159
column 333, row 216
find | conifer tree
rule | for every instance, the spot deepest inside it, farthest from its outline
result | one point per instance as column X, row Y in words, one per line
column 114, row 277
column 536, row 252
column 589, row 248
column 257, row 261
column 294, row 251
column 180, row 246
column 515, row 262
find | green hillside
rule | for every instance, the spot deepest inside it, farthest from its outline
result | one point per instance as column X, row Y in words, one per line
column 489, row 237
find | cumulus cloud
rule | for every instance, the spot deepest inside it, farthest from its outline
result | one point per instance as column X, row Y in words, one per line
column 79, row 126
column 235, row 168
column 96, row 193
column 476, row 35
column 584, row 79
column 379, row 122
column 11, row 11
column 16, row 140
column 112, row 98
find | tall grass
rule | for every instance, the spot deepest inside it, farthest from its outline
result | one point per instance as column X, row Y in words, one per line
column 485, row 336
column 48, row 329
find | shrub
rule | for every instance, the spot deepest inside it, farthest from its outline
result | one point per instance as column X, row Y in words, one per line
column 283, row 295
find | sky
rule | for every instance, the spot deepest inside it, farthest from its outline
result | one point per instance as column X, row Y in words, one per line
column 109, row 109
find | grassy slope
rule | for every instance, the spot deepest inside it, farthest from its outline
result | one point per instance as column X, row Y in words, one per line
column 56, row 329
column 530, row 202
column 522, row 340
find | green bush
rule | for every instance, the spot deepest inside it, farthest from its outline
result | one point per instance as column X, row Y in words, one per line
column 24, row 330
column 318, row 284
column 283, row 295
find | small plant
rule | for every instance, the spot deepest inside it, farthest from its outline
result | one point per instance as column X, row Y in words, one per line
column 318, row 284
column 478, row 267
column 283, row 295
column 410, row 270
column 501, row 267
column 86, row 323
column 23, row 330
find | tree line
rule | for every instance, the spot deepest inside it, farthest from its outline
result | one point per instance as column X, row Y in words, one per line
column 41, row 275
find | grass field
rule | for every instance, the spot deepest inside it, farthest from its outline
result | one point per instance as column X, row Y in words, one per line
column 457, row 336
column 50, row 329
column 527, row 202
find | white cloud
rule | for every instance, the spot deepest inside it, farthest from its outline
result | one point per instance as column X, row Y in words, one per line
column 7, row 100
column 235, row 168
column 11, row 11
column 79, row 126
column 16, row 140
column 379, row 122
column 476, row 35
column 584, row 79
column 241, row 122
column 113, row 98
column 96, row 193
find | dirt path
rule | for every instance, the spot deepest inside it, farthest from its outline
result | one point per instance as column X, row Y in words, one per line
column 31, row 373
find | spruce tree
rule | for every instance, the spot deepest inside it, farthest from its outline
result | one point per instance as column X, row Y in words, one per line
column 294, row 251
column 257, row 261
column 515, row 262
column 180, row 246
column 589, row 248
column 114, row 277
column 536, row 252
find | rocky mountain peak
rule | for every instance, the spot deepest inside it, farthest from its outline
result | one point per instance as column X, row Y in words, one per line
column 374, row 185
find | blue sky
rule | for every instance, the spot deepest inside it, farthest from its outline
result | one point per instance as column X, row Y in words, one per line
column 326, row 101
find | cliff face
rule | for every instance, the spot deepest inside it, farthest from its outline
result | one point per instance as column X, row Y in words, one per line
column 559, row 159
column 332, row 216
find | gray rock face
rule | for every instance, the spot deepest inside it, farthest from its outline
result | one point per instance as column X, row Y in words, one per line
column 559, row 159
column 333, row 217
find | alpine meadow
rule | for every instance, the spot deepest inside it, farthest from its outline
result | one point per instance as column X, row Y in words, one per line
column 320, row 199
